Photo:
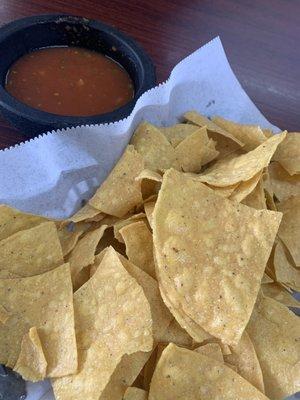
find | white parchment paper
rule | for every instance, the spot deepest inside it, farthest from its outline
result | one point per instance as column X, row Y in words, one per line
column 52, row 174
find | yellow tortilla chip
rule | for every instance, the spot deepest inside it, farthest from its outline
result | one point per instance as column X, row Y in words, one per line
column 251, row 135
column 284, row 270
column 225, row 142
column 288, row 153
column 274, row 331
column 289, row 230
column 244, row 357
column 244, row 167
column 46, row 302
column 85, row 213
column 112, row 318
column 108, row 239
column 170, row 298
column 225, row 146
column 225, row 191
column 268, row 132
column 193, row 151
column 150, row 182
column 277, row 292
column 161, row 317
column 154, row 147
column 256, row 199
column 266, row 279
column 178, row 132
column 124, row 222
column 68, row 238
column 201, row 120
column 31, row 363
column 30, row 252
column 183, row 374
column 124, row 375
column 148, row 370
column 133, row 393
column 13, row 221
column 212, row 350
column 283, row 184
column 216, row 274
column 149, row 208
column 84, row 253
column 176, row 334
column 139, row 246
column 210, row 152
column 245, row 188
column 4, row 315
column 121, row 192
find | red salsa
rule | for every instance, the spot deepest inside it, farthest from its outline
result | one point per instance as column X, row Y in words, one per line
column 69, row 81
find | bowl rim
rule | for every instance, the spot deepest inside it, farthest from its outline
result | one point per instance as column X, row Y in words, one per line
column 22, row 110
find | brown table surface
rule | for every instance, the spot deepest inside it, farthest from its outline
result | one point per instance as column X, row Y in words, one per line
column 261, row 39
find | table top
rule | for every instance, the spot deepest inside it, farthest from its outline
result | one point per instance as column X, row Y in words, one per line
column 261, row 39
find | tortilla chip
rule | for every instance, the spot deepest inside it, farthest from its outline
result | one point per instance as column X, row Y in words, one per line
column 124, row 375
column 149, row 208
column 120, row 192
column 31, row 363
column 46, row 302
column 13, row 221
column 177, row 335
column 139, row 246
column 245, row 188
column 242, row 168
column 133, row 393
column 266, row 279
column 30, row 252
column 251, row 135
column 150, row 182
column 268, row 132
column 193, row 151
column 289, row 230
column 161, row 317
column 148, row 370
column 283, row 184
column 284, row 270
column 170, row 298
column 112, row 318
column 108, row 239
column 201, row 120
column 178, row 132
column 183, row 374
column 154, row 147
column 212, row 350
column 4, row 315
column 256, row 199
column 124, row 222
column 244, row 357
column 85, row 213
column 224, row 145
column 225, row 191
column 233, row 367
column 277, row 292
column 210, row 152
column 288, row 153
column 274, row 331
column 215, row 272
column 84, row 253
column 68, row 238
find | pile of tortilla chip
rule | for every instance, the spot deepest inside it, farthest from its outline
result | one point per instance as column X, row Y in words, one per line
column 176, row 280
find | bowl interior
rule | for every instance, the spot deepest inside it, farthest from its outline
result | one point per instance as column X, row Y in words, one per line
column 69, row 31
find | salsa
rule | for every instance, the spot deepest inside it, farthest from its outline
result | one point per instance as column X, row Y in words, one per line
column 69, row 81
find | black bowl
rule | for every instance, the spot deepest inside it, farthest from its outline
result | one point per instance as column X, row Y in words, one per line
column 28, row 34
